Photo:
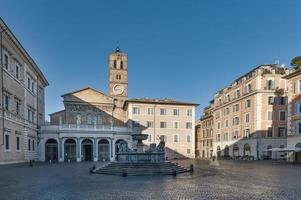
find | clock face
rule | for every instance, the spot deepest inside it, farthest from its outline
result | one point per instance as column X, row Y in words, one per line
column 118, row 89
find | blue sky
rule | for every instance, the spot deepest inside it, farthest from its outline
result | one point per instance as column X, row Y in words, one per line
column 186, row 50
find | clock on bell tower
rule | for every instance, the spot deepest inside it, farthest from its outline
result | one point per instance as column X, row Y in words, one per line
column 118, row 79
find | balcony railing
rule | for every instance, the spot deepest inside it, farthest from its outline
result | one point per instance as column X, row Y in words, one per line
column 87, row 127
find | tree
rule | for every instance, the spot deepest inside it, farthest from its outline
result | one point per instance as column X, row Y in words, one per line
column 296, row 62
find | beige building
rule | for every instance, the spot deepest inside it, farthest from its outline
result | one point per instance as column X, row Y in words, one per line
column 294, row 115
column 22, row 103
column 168, row 120
column 250, row 116
column 204, row 134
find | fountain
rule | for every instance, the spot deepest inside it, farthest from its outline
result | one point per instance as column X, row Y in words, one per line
column 152, row 155
column 139, row 162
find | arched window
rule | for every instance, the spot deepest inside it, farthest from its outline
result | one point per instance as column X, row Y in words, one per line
column 298, row 127
column 99, row 119
column 115, row 64
column 121, row 64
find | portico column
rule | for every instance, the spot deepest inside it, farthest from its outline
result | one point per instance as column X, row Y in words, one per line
column 95, row 152
column 112, row 150
column 61, row 147
column 78, row 150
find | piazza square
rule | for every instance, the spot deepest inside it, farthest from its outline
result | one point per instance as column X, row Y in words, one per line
column 150, row 100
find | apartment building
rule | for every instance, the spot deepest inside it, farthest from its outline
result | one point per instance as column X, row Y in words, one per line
column 250, row 116
column 22, row 103
column 294, row 115
column 204, row 134
column 167, row 120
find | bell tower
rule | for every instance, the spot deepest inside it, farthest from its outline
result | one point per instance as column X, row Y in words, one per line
column 118, row 76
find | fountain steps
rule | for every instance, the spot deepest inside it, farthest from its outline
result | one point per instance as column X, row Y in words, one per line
column 136, row 169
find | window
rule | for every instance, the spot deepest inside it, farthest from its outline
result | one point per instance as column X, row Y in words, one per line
column 235, row 134
column 247, row 132
column 249, row 86
column 188, row 151
column 270, row 100
column 282, row 100
column 32, row 145
column 17, row 143
column 115, row 64
column 6, row 61
column 282, row 115
column 30, row 115
column 89, row 119
column 136, row 110
column 218, row 137
column 175, row 138
column 188, row 138
column 162, row 124
column 121, row 64
column 7, row 145
column 6, row 101
column 282, row 131
column 176, row 125
column 17, row 71
column 236, row 121
column 28, row 83
column 298, row 107
column 150, row 124
column 150, row 111
column 29, row 144
column 188, row 125
column 162, row 111
column 176, row 112
column 298, row 128
column 270, row 132
column 17, row 107
column 228, row 98
column 270, row 85
column 237, row 93
column 247, row 117
column 227, row 111
column 270, row 115
column 218, row 125
column 225, row 136
column 248, row 103
column 189, row 112
column 236, row 108
column 163, row 138
column 226, row 123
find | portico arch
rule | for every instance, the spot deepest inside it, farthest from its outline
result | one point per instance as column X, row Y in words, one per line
column 247, row 150
column 51, row 150
column 218, row 150
column 87, row 150
column 226, row 151
column 103, row 150
column 298, row 154
column 117, row 146
column 235, row 150
column 70, row 150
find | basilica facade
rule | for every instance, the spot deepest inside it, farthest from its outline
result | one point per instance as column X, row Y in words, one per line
column 92, row 123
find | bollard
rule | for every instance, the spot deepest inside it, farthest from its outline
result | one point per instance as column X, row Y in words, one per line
column 124, row 173
column 174, row 172
column 191, row 167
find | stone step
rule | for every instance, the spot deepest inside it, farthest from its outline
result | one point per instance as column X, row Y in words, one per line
column 136, row 169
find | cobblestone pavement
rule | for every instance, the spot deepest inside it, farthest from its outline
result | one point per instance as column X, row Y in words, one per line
column 218, row 180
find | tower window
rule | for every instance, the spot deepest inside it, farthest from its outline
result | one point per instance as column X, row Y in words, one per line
column 118, row 76
column 121, row 65
column 115, row 64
